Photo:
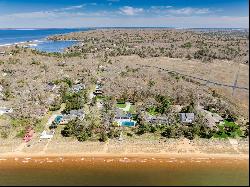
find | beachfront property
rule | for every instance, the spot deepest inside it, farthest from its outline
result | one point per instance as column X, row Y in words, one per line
column 45, row 135
column 72, row 115
column 212, row 119
column 4, row 110
column 124, row 118
column 157, row 120
column 186, row 117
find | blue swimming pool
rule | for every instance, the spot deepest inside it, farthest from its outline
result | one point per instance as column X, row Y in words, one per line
column 58, row 119
column 128, row 123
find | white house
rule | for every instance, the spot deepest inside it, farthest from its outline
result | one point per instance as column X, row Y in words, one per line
column 4, row 110
column 45, row 135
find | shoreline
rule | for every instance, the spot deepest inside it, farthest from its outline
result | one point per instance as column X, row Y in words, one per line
column 127, row 155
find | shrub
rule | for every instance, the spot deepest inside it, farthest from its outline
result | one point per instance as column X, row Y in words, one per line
column 228, row 129
column 83, row 136
column 55, row 107
column 67, row 81
column 114, row 133
column 20, row 133
column 129, row 134
column 103, row 136
column 187, row 45
column 143, row 128
column 4, row 134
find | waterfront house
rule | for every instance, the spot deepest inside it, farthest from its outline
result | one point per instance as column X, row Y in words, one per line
column 72, row 115
column 212, row 118
column 123, row 118
column 45, row 135
column 186, row 117
column 157, row 120
column 77, row 114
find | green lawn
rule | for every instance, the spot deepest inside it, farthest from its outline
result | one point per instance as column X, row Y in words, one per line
column 152, row 111
column 228, row 130
column 123, row 105
column 132, row 109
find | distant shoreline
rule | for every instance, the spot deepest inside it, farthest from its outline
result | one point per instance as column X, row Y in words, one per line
column 124, row 27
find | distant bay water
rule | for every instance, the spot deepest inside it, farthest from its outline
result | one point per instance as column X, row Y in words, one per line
column 38, row 37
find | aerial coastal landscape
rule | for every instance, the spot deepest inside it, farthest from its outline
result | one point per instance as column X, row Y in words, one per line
column 153, row 104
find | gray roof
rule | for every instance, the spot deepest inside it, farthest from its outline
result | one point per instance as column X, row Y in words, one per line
column 163, row 120
column 76, row 112
column 187, row 117
column 212, row 118
column 78, row 87
column 121, row 114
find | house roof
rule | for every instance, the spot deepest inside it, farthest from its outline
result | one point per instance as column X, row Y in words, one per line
column 212, row 118
column 121, row 114
column 78, row 86
column 187, row 116
column 79, row 112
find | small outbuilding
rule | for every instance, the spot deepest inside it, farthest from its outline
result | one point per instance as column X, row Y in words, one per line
column 45, row 135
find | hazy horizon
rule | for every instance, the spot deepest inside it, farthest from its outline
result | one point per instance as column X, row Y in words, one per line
column 124, row 27
column 121, row 13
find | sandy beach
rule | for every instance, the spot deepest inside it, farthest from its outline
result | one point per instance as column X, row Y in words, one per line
column 134, row 148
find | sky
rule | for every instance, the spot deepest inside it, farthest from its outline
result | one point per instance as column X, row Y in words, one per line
column 124, row 13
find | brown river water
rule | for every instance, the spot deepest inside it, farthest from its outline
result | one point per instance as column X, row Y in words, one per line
column 123, row 171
